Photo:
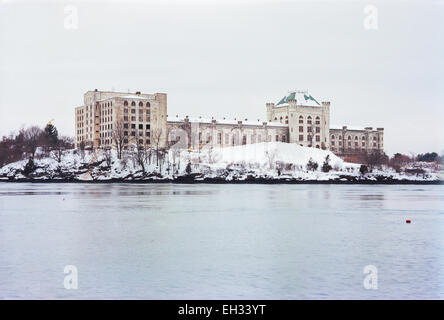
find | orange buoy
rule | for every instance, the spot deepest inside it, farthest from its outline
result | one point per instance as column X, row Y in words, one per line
column 408, row 221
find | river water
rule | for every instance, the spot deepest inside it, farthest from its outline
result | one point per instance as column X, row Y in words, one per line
column 201, row 241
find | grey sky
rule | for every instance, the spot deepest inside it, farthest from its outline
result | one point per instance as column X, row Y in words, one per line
column 229, row 59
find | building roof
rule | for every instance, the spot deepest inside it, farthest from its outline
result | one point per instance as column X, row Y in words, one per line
column 225, row 121
column 349, row 128
column 303, row 98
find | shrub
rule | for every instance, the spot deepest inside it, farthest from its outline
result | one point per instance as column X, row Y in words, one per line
column 326, row 167
column 311, row 165
column 363, row 169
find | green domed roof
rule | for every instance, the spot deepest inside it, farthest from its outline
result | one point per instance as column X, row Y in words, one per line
column 302, row 98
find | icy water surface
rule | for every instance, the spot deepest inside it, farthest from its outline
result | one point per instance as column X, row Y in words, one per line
column 221, row 241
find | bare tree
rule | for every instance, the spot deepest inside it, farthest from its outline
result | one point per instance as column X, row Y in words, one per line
column 119, row 137
column 61, row 145
column 32, row 137
column 375, row 158
column 156, row 136
column 271, row 156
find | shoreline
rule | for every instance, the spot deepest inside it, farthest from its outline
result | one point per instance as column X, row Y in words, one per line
column 191, row 180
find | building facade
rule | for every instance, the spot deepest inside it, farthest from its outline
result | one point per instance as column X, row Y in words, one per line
column 142, row 120
column 138, row 116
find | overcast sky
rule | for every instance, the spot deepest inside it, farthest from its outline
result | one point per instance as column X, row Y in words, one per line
column 228, row 58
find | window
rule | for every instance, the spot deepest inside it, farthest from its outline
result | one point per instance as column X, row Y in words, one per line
column 301, row 129
column 133, row 111
column 219, row 138
column 332, row 143
column 318, row 138
column 140, row 126
column 277, row 137
column 147, row 126
column 125, row 125
column 140, row 104
column 301, row 119
column 244, row 140
column 125, row 133
column 125, row 103
column 318, row 130
column 318, row 121
column 283, row 138
column 301, row 137
column 147, row 104
column 356, row 137
column 309, row 120
column 133, row 126
column 333, row 137
column 133, row 133
column 133, row 104
column 309, row 129
column 133, row 118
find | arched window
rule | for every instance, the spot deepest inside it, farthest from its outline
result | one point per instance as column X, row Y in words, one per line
column 140, row 104
column 349, row 138
column 318, row 121
column 275, row 118
column 133, row 104
column 301, row 119
column 147, row 104
column 363, row 137
column 333, row 137
column 125, row 103
column 286, row 117
column 356, row 137
column 309, row 119
column 317, row 146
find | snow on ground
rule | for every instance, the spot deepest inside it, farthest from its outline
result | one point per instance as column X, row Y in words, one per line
column 268, row 160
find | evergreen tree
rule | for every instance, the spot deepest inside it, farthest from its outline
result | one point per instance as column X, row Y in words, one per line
column 311, row 165
column 51, row 135
column 326, row 167
column 188, row 168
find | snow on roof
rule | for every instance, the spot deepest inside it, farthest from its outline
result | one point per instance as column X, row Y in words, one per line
column 226, row 121
column 134, row 97
column 356, row 128
column 303, row 98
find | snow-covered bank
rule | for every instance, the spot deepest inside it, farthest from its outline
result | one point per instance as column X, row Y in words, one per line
column 262, row 163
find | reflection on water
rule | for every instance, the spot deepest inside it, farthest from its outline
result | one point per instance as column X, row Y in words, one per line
column 221, row 241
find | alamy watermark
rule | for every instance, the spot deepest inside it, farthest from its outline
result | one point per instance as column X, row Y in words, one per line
column 71, row 21
column 371, row 17
column 371, row 279
column 71, row 280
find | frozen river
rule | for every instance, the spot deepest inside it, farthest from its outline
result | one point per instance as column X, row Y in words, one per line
column 169, row 241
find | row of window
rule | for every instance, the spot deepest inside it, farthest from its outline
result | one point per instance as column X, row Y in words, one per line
column 350, row 137
column 235, row 138
column 133, row 104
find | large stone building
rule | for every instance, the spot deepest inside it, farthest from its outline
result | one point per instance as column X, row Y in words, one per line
column 142, row 120
column 140, row 116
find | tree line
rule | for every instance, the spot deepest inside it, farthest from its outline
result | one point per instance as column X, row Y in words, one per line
column 26, row 143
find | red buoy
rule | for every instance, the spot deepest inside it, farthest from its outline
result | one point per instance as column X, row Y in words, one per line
column 408, row 221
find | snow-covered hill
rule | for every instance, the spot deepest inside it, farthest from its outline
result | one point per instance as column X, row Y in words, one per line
column 262, row 162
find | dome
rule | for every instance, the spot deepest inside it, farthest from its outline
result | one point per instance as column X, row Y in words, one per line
column 303, row 98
